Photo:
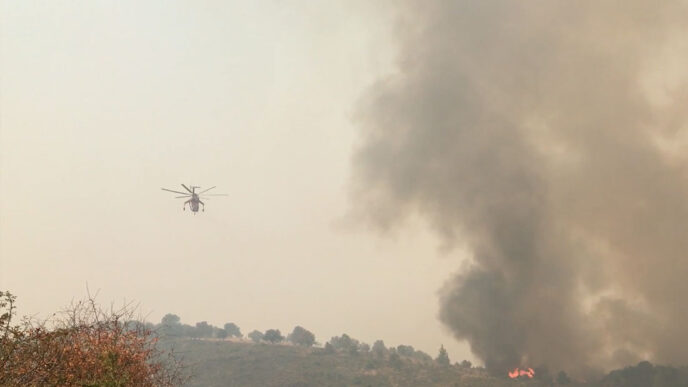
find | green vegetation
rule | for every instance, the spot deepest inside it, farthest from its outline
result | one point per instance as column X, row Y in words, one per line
column 302, row 336
column 256, row 336
column 273, row 336
column 90, row 347
column 232, row 330
column 218, row 356
column 647, row 375
column 442, row 357
column 83, row 345
column 244, row 363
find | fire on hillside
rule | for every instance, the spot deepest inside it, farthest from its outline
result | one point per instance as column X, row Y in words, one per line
column 518, row 372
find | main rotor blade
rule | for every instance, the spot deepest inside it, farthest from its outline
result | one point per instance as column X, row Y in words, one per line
column 187, row 188
column 180, row 197
column 165, row 189
column 206, row 190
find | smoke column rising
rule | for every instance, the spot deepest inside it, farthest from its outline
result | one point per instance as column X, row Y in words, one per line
column 549, row 137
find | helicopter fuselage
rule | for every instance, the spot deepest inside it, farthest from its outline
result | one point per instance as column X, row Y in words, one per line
column 194, row 198
column 193, row 202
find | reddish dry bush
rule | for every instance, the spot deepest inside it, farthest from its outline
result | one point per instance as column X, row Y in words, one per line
column 85, row 346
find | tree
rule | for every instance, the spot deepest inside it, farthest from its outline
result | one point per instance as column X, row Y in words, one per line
column 422, row 356
column 379, row 348
column 273, row 336
column 405, row 350
column 442, row 358
column 203, row 329
column 302, row 336
column 345, row 344
column 82, row 346
column 233, row 330
column 256, row 336
column 170, row 319
column 466, row 364
column 642, row 374
column 395, row 361
column 170, row 325
column 221, row 334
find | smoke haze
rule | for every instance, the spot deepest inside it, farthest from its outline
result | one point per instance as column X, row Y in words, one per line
column 549, row 138
column 104, row 103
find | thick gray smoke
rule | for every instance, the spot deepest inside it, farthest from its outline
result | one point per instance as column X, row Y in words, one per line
column 548, row 137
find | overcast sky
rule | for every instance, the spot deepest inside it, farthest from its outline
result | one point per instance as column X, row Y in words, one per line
column 104, row 102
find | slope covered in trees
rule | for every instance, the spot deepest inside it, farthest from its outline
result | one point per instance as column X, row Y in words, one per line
column 87, row 346
column 271, row 359
column 244, row 363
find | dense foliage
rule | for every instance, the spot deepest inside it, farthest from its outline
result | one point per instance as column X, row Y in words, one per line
column 301, row 336
column 647, row 375
column 82, row 346
column 85, row 346
column 248, row 364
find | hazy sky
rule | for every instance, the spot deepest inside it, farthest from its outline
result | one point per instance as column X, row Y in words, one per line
column 104, row 102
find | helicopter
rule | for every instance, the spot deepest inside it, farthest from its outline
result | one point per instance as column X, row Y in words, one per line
column 194, row 197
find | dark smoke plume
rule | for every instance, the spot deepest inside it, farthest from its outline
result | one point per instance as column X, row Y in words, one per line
column 549, row 137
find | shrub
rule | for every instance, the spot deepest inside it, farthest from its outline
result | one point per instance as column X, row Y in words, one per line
column 84, row 346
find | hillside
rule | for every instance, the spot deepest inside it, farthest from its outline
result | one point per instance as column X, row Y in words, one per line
column 238, row 363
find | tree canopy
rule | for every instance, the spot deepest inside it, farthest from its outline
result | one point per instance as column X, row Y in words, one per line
column 233, row 330
column 301, row 336
column 82, row 346
column 442, row 357
column 256, row 336
column 170, row 319
column 344, row 343
column 273, row 336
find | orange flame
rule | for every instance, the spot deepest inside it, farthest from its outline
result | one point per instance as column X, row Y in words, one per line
column 516, row 372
